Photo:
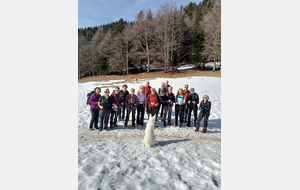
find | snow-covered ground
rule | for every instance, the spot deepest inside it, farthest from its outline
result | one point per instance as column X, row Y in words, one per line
column 186, row 66
column 116, row 159
column 211, row 65
column 206, row 65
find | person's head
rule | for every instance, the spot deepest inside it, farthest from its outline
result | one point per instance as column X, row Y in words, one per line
column 117, row 90
column 205, row 98
column 186, row 87
column 192, row 90
column 163, row 85
column 180, row 91
column 152, row 90
column 125, row 87
column 132, row 90
column 167, row 82
column 170, row 89
column 97, row 90
column 106, row 92
column 142, row 88
column 147, row 83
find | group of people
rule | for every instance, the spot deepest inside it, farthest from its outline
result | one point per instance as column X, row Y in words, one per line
column 121, row 104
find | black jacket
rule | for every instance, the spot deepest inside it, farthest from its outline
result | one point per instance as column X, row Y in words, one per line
column 106, row 103
column 205, row 107
column 193, row 97
column 167, row 97
column 123, row 95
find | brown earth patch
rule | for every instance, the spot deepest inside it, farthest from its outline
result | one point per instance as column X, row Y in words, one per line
column 152, row 75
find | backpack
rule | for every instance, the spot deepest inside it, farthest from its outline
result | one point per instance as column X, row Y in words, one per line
column 117, row 100
column 89, row 96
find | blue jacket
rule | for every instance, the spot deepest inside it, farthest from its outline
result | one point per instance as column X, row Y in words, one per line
column 205, row 107
column 180, row 99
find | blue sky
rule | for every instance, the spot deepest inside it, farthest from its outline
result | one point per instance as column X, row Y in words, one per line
column 97, row 12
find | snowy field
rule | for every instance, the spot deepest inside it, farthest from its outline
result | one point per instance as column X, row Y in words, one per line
column 116, row 159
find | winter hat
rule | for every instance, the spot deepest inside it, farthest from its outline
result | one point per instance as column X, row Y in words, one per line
column 192, row 89
column 205, row 96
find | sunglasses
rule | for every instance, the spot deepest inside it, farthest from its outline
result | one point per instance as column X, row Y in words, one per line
column 152, row 90
column 116, row 90
column 205, row 97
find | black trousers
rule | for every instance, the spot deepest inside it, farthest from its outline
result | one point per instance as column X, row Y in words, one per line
column 94, row 119
column 105, row 118
column 179, row 111
column 132, row 111
column 186, row 112
column 168, row 111
column 194, row 109
column 122, row 112
column 113, row 117
column 201, row 115
column 140, row 114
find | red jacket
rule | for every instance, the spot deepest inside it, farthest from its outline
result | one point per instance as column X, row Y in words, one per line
column 147, row 90
column 186, row 93
column 153, row 98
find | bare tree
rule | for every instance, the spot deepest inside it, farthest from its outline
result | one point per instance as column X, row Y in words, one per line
column 212, row 29
column 118, row 50
column 143, row 33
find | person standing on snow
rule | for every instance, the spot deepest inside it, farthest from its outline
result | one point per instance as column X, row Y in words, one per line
column 142, row 99
column 131, row 103
column 153, row 101
column 204, row 107
column 116, row 99
column 186, row 108
column 179, row 107
column 167, row 85
column 123, row 95
column 147, row 91
column 161, row 92
column 106, row 104
column 94, row 108
column 193, row 100
column 168, row 101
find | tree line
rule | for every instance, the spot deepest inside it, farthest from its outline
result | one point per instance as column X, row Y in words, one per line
column 164, row 40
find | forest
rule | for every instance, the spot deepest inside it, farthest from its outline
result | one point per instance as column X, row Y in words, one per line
column 163, row 40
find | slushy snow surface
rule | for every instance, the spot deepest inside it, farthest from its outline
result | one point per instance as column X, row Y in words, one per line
column 116, row 159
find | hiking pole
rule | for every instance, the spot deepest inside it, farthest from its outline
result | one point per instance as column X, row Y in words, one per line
column 100, row 119
column 193, row 119
column 117, row 118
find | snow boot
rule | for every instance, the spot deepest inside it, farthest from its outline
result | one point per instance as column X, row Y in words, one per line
column 96, row 126
column 204, row 130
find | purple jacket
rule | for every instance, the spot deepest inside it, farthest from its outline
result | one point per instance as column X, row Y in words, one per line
column 142, row 97
column 94, row 102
